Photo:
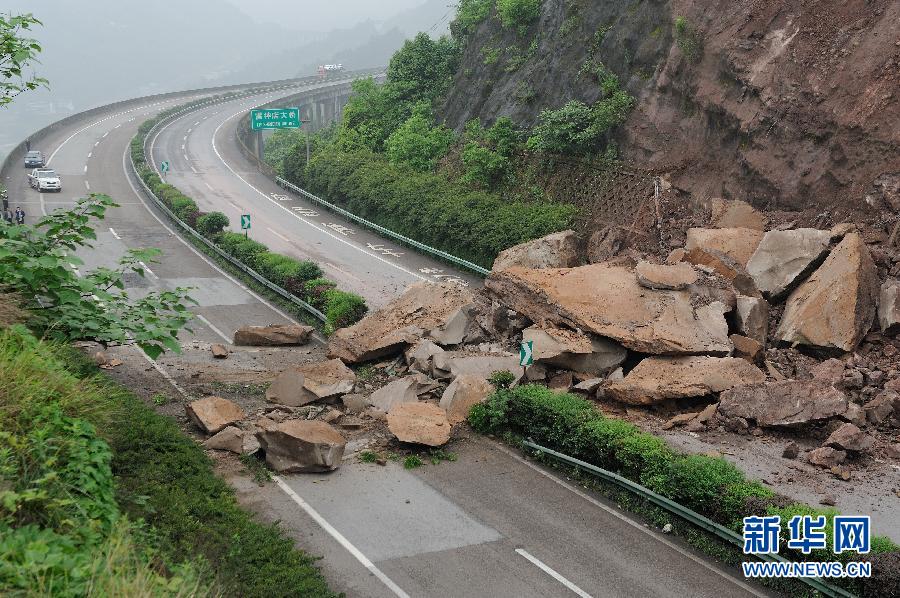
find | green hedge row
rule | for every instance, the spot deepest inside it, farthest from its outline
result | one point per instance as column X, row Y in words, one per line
column 710, row 486
column 473, row 225
column 341, row 308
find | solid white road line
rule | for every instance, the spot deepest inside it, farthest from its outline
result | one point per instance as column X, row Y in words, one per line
column 194, row 169
column 213, row 328
column 115, row 234
column 96, row 143
column 295, row 215
column 164, row 374
column 149, row 271
column 359, row 556
column 279, row 235
column 546, row 569
column 625, row 519
column 85, row 168
column 43, row 206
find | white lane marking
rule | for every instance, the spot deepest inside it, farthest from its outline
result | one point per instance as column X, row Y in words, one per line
column 105, row 134
column 194, row 169
column 277, row 234
column 625, row 519
column 85, row 168
column 185, row 138
column 546, row 569
column 164, row 374
column 196, row 123
column 90, row 154
column 182, row 147
column 114, row 233
column 363, row 559
column 87, row 185
column 312, row 224
column 213, row 328
column 189, row 130
column 236, row 207
column 208, row 186
column 96, row 143
column 196, row 252
column 186, row 159
column 117, row 126
column 149, row 271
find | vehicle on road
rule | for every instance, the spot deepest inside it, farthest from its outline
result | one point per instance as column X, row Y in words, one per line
column 34, row 159
column 44, row 179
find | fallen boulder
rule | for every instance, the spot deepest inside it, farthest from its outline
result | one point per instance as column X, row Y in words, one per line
column 882, row 407
column 656, row 379
column 835, row 307
column 588, row 386
column 826, row 456
column 404, row 390
column 573, row 350
column 735, row 214
column 419, row 423
column 785, row 258
column 212, row 414
column 747, row 348
column 751, row 317
column 276, row 335
column 849, row 438
column 219, row 351
column 297, row 446
column 235, row 440
column 664, row 276
column 561, row 382
column 402, row 322
column 737, row 243
column 889, row 307
column 557, row 250
column 608, row 301
column 419, row 356
column 606, row 243
column 783, row 403
column 724, row 266
column 453, row 330
column 462, row 394
column 311, row 382
column 451, row 364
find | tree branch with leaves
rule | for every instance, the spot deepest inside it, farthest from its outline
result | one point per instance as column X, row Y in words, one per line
column 17, row 55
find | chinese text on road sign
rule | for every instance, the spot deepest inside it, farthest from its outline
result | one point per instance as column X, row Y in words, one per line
column 275, row 118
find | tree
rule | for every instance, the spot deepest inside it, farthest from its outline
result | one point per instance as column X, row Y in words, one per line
column 17, row 54
column 38, row 265
column 417, row 143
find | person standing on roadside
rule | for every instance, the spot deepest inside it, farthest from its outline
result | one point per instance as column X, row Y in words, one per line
column 20, row 215
column 7, row 216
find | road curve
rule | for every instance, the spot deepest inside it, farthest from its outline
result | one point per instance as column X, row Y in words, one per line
column 488, row 524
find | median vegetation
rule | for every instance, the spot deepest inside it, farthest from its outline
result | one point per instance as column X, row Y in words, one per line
column 340, row 308
column 710, row 486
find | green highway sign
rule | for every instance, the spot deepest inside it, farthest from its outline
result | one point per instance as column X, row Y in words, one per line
column 526, row 353
column 245, row 221
column 275, row 118
column 164, row 166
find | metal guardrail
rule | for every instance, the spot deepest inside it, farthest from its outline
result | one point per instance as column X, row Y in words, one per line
column 382, row 230
column 685, row 513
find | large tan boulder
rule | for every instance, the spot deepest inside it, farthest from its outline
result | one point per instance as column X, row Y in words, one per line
column 212, row 414
column 573, row 350
column 751, row 317
column 276, row 335
column 889, row 307
column 735, row 214
column 657, row 379
column 423, row 307
column 849, row 438
column 557, row 250
column 295, row 446
column 235, row 440
column 672, row 277
column 784, row 258
column 450, row 364
column 608, row 301
column 404, row 390
column 311, row 382
column 462, row 394
column 737, row 243
column 419, row 423
column 835, row 307
column 783, row 403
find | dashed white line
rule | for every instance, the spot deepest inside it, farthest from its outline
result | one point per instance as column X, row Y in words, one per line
column 90, row 154
column 117, row 126
column 105, row 134
column 186, row 159
column 213, row 328
column 96, row 143
column 339, row 537
column 191, row 129
column 279, row 235
column 114, row 233
column 196, row 123
column 85, row 168
column 87, row 185
column 194, row 169
column 208, row 186
column 185, row 138
column 546, row 569
column 182, row 147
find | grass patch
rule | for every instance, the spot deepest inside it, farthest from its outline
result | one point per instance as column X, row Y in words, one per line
column 257, row 468
column 368, row 456
column 412, row 462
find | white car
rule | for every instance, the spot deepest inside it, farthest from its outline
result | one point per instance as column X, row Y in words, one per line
column 45, row 179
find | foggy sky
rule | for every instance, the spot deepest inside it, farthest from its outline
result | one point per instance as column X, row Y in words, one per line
column 315, row 15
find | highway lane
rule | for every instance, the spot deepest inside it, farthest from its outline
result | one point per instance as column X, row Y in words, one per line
column 207, row 165
column 486, row 525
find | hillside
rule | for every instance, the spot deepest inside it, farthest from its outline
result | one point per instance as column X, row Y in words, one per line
column 785, row 104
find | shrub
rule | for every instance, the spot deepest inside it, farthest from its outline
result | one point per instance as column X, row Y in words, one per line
column 343, row 308
column 281, row 268
column 317, row 290
column 502, row 379
column 698, row 480
column 417, row 143
column 518, row 13
column 242, row 248
column 688, row 40
column 212, row 224
column 469, row 15
column 486, row 154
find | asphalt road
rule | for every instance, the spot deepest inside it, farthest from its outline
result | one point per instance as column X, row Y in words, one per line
column 207, row 165
column 488, row 524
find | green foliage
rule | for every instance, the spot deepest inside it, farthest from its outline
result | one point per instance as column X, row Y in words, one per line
column 518, row 13
column 37, row 263
column 211, row 225
column 438, row 455
column 242, row 248
column 490, row 417
column 17, row 55
column 699, row 479
column 412, row 462
column 688, row 39
column 579, row 128
column 469, row 15
column 282, row 269
column 280, row 144
column 317, row 291
column 501, row 379
column 491, row 55
column 368, row 456
column 569, row 26
column 487, row 154
column 417, row 143
column 474, row 225
column 343, row 308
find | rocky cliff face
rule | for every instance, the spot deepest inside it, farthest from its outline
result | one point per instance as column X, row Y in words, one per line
column 791, row 105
